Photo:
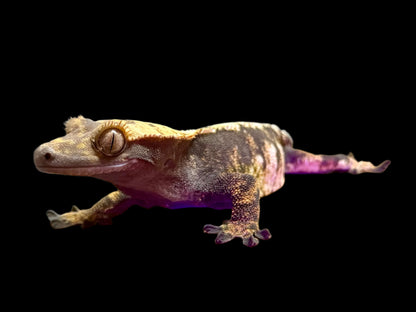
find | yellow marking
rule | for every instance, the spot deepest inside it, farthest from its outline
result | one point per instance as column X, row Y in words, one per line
column 236, row 126
column 255, row 168
column 139, row 130
column 273, row 177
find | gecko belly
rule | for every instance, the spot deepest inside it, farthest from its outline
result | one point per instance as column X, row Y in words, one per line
column 193, row 200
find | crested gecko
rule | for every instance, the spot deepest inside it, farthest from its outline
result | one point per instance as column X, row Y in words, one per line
column 224, row 166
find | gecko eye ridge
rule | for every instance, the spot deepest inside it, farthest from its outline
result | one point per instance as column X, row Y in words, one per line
column 111, row 142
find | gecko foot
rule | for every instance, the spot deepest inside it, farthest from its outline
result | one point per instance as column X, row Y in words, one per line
column 248, row 232
column 76, row 216
column 358, row 167
column 61, row 221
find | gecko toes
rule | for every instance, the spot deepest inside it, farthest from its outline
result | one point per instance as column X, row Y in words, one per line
column 75, row 208
column 382, row 167
column 366, row 166
column 223, row 237
column 263, row 234
column 56, row 220
column 250, row 241
column 211, row 229
column 249, row 234
column 253, row 240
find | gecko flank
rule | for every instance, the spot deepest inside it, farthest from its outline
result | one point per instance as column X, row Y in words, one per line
column 224, row 166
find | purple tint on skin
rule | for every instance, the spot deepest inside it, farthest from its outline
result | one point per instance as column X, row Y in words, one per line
column 299, row 162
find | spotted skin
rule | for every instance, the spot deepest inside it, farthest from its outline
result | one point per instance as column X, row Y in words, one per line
column 224, row 166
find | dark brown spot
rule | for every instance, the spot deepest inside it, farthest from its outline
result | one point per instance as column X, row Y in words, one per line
column 169, row 164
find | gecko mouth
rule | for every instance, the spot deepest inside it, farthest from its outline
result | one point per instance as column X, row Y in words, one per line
column 88, row 170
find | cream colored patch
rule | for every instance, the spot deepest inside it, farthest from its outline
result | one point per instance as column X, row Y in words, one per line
column 236, row 126
column 255, row 168
column 259, row 160
column 230, row 126
column 75, row 123
column 273, row 175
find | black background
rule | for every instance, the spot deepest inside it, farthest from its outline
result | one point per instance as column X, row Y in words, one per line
column 330, row 80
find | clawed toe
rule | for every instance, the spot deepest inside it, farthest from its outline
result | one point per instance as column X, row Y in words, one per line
column 263, row 234
column 250, row 241
column 75, row 209
column 223, row 237
column 75, row 216
column 212, row 229
column 57, row 221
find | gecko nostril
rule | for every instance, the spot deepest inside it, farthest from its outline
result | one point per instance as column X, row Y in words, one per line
column 48, row 156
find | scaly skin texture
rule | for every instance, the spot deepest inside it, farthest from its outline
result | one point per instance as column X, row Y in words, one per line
column 224, row 166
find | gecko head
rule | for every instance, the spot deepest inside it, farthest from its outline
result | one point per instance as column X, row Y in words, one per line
column 92, row 148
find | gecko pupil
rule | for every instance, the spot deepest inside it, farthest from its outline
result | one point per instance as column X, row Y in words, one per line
column 111, row 142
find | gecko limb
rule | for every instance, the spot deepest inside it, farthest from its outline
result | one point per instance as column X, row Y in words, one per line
column 101, row 213
column 244, row 222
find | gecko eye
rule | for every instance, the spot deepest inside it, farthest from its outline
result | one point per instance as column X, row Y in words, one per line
column 111, row 142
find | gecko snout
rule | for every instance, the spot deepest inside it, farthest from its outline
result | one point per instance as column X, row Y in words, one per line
column 59, row 158
column 43, row 156
column 48, row 156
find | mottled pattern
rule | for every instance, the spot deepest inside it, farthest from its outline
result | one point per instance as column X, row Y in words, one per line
column 224, row 166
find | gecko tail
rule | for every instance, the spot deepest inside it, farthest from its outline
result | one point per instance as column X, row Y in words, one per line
column 301, row 162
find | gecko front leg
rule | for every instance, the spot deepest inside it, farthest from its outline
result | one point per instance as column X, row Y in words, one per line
column 101, row 213
column 244, row 222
